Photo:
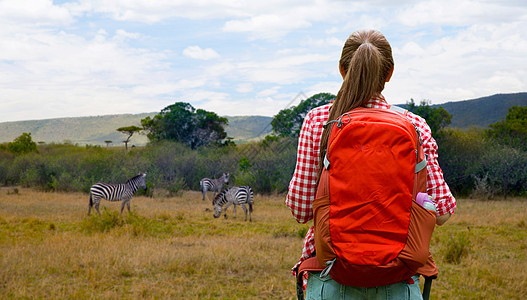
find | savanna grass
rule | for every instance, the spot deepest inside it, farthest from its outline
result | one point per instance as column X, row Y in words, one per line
column 172, row 247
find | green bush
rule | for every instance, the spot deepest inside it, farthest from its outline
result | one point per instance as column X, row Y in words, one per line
column 22, row 144
column 459, row 151
column 457, row 247
column 131, row 223
column 103, row 223
column 504, row 170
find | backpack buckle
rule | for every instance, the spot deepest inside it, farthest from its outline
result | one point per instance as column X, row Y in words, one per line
column 329, row 265
column 326, row 162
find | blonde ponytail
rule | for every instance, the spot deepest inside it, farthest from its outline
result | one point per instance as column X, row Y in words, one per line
column 367, row 61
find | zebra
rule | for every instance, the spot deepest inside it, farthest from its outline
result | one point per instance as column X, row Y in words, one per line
column 236, row 196
column 213, row 185
column 116, row 192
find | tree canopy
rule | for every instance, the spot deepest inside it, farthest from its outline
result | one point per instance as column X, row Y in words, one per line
column 22, row 144
column 288, row 122
column 436, row 117
column 513, row 130
column 181, row 122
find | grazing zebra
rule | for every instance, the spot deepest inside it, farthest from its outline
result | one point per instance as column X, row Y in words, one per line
column 213, row 185
column 236, row 196
column 116, row 192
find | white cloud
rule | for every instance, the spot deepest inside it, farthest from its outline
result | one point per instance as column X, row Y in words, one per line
column 266, row 26
column 207, row 96
column 34, row 12
column 196, row 52
column 244, row 88
column 268, row 92
column 122, row 35
column 153, row 11
column 326, row 42
column 266, row 106
column 331, row 87
column 412, row 49
column 461, row 12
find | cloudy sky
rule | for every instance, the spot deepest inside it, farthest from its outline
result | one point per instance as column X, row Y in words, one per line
column 244, row 57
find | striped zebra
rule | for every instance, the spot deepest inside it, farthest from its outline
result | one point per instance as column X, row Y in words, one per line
column 236, row 196
column 213, row 185
column 116, row 192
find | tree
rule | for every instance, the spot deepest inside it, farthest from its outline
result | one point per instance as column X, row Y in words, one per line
column 181, row 122
column 22, row 144
column 129, row 130
column 436, row 117
column 459, row 155
column 513, row 130
column 108, row 142
column 288, row 122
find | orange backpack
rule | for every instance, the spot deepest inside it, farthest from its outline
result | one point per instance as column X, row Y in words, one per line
column 369, row 230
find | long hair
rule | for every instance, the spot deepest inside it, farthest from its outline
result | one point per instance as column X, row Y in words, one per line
column 367, row 62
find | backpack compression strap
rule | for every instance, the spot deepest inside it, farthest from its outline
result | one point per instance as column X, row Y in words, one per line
column 310, row 264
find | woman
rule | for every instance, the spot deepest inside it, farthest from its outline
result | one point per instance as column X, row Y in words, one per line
column 366, row 64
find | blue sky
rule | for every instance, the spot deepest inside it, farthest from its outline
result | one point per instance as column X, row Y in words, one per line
column 244, row 57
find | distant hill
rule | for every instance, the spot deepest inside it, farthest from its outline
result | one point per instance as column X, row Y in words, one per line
column 80, row 130
column 96, row 130
column 248, row 128
column 482, row 112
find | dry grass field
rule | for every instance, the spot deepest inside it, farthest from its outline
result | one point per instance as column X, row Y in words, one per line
column 172, row 248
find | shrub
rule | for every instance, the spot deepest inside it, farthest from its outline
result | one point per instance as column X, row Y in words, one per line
column 103, row 223
column 482, row 188
column 504, row 169
column 22, row 144
column 457, row 247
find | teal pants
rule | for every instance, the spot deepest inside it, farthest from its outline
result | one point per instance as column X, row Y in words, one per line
column 327, row 288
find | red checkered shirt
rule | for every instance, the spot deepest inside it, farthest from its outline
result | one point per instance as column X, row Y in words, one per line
column 302, row 186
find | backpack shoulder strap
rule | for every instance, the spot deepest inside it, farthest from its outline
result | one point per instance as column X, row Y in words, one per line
column 399, row 109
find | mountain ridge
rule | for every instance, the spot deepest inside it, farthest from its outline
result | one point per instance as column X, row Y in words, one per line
column 483, row 111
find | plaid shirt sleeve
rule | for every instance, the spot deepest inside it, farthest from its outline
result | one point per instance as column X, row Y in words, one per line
column 302, row 186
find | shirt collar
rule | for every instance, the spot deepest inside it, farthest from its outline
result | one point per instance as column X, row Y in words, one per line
column 377, row 101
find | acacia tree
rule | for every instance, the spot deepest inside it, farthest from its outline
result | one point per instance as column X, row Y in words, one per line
column 181, row 122
column 129, row 130
column 288, row 122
